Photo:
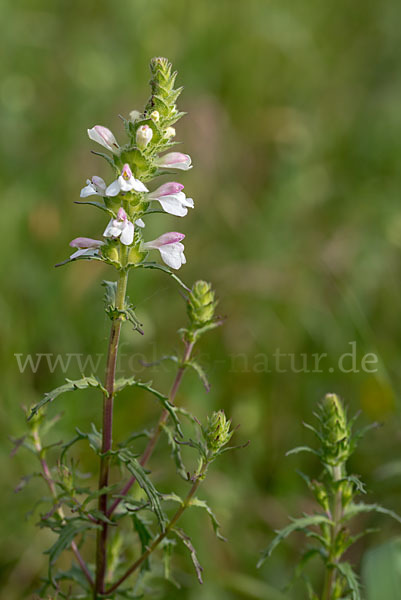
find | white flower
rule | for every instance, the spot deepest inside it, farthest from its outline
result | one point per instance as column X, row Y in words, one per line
column 170, row 248
column 172, row 199
column 103, row 136
column 125, row 183
column 96, row 185
column 155, row 116
column 175, row 160
column 120, row 228
column 87, row 247
column 144, row 134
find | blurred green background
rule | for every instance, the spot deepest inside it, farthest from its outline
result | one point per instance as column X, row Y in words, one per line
column 294, row 128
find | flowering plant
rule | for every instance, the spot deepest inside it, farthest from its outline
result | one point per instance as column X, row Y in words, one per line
column 78, row 513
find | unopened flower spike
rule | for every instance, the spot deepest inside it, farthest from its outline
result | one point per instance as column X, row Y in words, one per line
column 104, row 136
column 121, row 228
column 217, row 431
column 201, row 304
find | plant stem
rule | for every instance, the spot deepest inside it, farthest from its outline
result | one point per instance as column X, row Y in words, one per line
column 107, row 431
column 48, row 478
column 159, row 427
column 331, row 570
column 162, row 535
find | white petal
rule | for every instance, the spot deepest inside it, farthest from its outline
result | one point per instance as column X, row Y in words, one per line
column 138, row 186
column 113, row 229
column 127, row 234
column 173, row 206
column 113, row 189
column 104, row 137
column 139, row 223
column 88, row 190
column 171, row 257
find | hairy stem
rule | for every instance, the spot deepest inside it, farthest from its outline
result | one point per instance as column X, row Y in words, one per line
column 159, row 427
column 50, row 483
column 162, row 535
column 107, row 431
column 331, row 570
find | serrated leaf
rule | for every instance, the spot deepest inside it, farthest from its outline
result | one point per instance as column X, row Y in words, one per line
column 300, row 524
column 69, row 386
column 354, row 509
column 159, row 267
column 187, row 541
column 94, row 438
column 351, row 579
column 167, row 548
column 145, row 483
column 200, row 372
column 145, row 536
column 176, row 452
column 215, row 524
column 124, row 382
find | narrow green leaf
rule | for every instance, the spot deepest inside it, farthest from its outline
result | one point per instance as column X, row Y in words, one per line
column 145, row 536
column 215, row 524
column 351, row 579
column 122, row 383
column 200, row 372
column 354, row 509
column 301, row 449
column 176, row 452
column 300, row 524
column 69, row 386
column 98, row 205
column 145, row 483
column 154, row 265
column 187, row 541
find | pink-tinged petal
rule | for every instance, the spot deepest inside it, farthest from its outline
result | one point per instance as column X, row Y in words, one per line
column 167, row 189
column 175, row 160
column 166, row 238
column 126, row 172
column 113, row 189
column 99, row 182
column 103, row 136
column 127, row 234
column 173, row 206
column 122, row 215
column 84, row 242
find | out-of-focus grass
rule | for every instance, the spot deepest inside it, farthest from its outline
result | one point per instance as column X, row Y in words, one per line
column 295, row 131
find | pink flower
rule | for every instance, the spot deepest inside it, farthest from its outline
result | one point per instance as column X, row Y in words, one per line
column 172, row 199
column 170, row 248
column 103, row 136
column 87, row 246
column 175, row 160
column 120, row 228
column 126, row 182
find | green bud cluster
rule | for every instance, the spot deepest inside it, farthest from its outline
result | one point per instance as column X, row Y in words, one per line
column 334, row 431
column 161, row 106
column 201, row 304
column 217, row 431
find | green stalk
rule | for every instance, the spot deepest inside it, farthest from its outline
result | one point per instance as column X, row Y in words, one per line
column 107, row 434
column 331, row 570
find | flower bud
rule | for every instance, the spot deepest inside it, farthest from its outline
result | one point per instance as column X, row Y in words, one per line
column 217, row 431
column 144, row 134
column 321, row 494
column 135, row 115
column 169, row 133
column 201, row 304
column 155, row 116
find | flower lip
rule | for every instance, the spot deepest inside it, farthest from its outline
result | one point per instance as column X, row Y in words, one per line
column 172, row 237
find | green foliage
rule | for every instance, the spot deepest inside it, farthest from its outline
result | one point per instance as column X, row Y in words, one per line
column 334, row 492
